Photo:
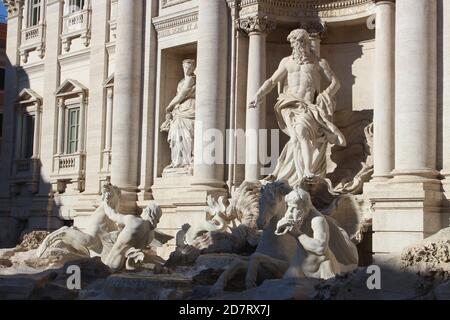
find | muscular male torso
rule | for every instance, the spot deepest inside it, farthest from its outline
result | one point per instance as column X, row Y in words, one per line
column 303, row 80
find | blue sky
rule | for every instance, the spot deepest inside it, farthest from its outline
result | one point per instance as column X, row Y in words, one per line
column 3, row 13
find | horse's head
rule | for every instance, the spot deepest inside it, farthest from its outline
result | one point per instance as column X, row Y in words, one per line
column 111, row 195
column 271, row 202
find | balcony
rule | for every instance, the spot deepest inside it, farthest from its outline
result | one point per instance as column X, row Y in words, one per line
column 33, row 38
column 69, row 167
column 76, row 25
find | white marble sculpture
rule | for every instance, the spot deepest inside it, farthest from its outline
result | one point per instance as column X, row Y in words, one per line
column 274, row 252
column 118, row 239
column 231, row 228
column 136, row 234
column 303, row 112
column 217, row 220
column 180, row 121
column 324, row 249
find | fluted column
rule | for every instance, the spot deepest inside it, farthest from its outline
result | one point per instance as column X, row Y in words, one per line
column 257, row 28
column 384, row 91
column 61, row 118
column 416, row 89
column 127, row 100
column 210, row 113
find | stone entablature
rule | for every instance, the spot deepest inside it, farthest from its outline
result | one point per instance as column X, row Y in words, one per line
column 296, row 9
column 174, row 24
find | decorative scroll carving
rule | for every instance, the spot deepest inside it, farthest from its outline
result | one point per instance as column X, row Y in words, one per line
column 256, row 24
column 13, row 6
column 169, row 3
column 166, row 27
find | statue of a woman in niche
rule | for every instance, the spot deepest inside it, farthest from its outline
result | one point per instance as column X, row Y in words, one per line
column 179, row 122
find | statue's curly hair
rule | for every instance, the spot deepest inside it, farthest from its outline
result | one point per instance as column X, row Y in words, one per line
column 153, row 212
column 298, row 34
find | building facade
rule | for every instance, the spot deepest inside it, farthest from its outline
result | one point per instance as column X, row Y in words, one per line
column 88, row 83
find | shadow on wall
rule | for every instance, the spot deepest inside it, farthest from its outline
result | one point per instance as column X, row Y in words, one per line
column 26, row 198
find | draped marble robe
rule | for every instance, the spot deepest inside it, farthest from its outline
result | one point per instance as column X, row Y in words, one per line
column 292, row 111
column 181, row 130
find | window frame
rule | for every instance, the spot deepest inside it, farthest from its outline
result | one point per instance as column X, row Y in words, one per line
column 32, row 6
column 75, row 6
column 70, row 108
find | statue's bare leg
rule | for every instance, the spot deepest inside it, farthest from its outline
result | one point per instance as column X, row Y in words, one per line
column 236, row 266
column 274, row 266
column 116, row 258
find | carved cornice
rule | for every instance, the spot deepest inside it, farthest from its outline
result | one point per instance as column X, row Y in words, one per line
column 255, row 24
column 169, row 3
column 308, row 8
column 169, row 25
column 13, row 6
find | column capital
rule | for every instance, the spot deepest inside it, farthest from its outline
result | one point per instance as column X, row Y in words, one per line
column 256, row 24
column 61, row 102
column 14, row 6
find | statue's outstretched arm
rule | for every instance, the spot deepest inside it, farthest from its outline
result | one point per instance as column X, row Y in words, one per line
column 115, row 216
column 319, row 244
column 270, row 84
column 329, row 74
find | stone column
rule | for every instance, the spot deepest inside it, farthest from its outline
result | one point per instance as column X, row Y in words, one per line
column 98, row 69
column 149, row 103
column 210, row 113
column 446, row 88
column 416, row 89
column 127, row 101
column 61, row 119
column 257, row 28
column 384, row 91
column 405, row 207
column 109, row 118
column 82, row 144
column 36, row 133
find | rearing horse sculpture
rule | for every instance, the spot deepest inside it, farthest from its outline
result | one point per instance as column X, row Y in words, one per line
column 273, row 253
